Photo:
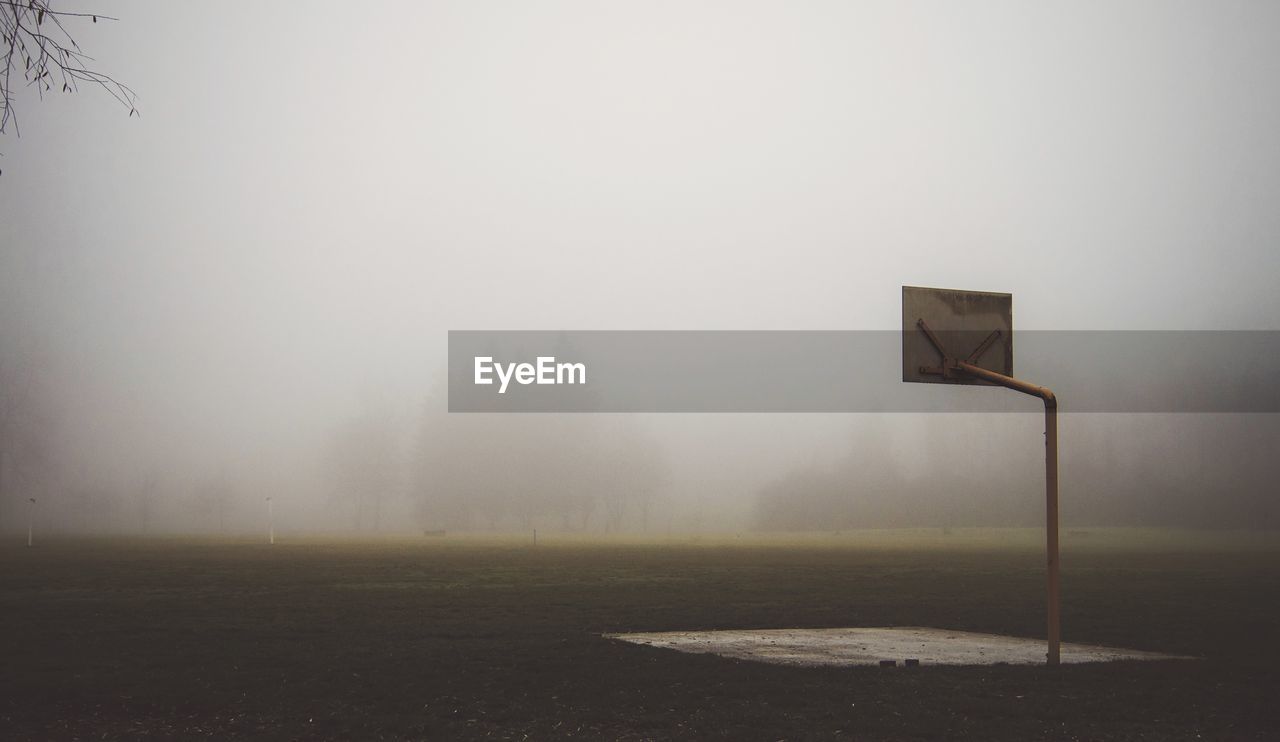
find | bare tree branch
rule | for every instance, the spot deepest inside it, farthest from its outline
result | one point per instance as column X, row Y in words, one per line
column 35, row 44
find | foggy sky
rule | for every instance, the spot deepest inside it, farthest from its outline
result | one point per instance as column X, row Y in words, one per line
column 315, row 194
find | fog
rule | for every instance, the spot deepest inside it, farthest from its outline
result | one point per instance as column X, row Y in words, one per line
column 245, row 292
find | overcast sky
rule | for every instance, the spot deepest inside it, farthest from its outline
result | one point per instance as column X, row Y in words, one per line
column 315, row 193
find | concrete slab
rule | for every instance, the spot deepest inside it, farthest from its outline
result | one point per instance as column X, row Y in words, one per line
column 876, row 646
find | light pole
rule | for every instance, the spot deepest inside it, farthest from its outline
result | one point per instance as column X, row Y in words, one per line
column 31, row 519
column 271, row 523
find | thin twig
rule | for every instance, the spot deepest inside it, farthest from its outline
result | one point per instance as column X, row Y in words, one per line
column 47, row 56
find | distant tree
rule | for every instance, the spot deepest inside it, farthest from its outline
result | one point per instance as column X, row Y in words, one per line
column 630, row 471
column 213, row 496
column 364, row 461
column 864, row 488
column 146, row 499
column 522, row 470
column 30, row 418
column 40, row 52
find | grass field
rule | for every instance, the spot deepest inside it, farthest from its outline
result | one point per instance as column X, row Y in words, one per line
column 479, row 637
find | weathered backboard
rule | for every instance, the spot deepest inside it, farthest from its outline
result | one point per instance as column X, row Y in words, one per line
column 962, row 321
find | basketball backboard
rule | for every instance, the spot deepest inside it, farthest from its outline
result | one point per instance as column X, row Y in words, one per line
column 973, row 326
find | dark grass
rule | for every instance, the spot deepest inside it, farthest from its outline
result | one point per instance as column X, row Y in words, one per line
column 440, row 640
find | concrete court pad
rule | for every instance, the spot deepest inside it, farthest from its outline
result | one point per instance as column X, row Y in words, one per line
column 871, row 646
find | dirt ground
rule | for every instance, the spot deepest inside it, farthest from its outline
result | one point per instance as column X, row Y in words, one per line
column 488, row 638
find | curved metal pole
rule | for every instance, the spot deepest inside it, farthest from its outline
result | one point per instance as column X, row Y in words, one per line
column 1051, row 491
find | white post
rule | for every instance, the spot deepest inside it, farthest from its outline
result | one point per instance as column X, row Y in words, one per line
column 271, row 523
column 31, row 519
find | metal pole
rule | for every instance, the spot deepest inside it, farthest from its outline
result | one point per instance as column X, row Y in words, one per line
column 1051, row 526
column 1054, row 607
column 271, row 522
column 31, row 519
